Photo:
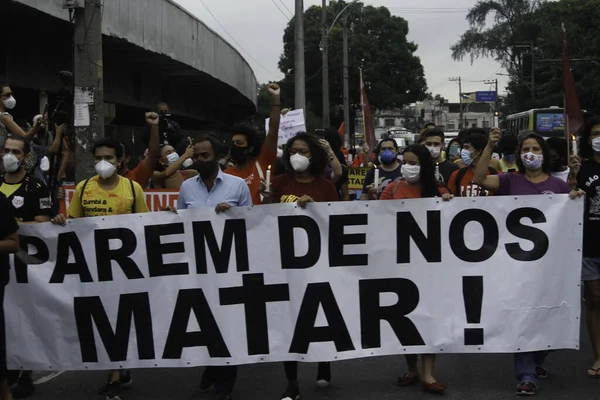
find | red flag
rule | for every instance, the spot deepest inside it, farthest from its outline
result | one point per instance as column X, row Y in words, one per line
column 368, row 122
column 573, row 114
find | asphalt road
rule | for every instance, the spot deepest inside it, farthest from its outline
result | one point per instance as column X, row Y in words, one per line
column 469, row 377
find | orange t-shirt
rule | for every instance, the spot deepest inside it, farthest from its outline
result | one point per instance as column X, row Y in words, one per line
column 251, row 175
column 467, row 187
column 401, row 190
column 140, row 174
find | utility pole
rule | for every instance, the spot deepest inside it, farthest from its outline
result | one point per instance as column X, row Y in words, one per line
column 88, row 110
column 459, row 80
column 346, row 86
column 532, row 73
column 300, row 89
column 326, row 122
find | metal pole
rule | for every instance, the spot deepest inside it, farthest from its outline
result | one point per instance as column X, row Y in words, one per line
column 532, row 75
column 326, row 122
column 346, row 86
column 300, row 89
column 88, row 77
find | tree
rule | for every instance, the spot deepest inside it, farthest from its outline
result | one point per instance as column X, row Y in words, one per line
column 377, row 43
column 512, row 27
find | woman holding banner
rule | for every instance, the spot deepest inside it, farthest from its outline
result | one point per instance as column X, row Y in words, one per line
column 419, row 181
column 534, row 178
column 307, row 159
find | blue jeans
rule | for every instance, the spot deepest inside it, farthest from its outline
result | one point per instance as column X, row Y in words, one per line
column 525, row 364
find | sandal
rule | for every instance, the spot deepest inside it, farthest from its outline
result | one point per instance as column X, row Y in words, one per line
column 408, row 380
column 435, row 387
column 595, row 373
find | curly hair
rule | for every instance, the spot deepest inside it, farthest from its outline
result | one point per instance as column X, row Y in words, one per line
column 254, row 139
column 318, row 160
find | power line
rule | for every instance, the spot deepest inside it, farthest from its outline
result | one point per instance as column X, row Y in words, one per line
column 236, row 42
column 286, row 7
column 280, row 10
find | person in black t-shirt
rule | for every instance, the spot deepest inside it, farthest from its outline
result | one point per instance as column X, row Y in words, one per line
column 588, row 179
column 389, row 170
column 30, row 203
column 27, row 195
column 434, row 140
column 9, row 244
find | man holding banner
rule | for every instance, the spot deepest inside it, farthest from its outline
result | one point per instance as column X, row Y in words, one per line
column 107, row 193
column 9, row 244
column 213, row 187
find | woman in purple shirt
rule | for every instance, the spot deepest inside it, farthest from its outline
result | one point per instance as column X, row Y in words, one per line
column 533, row 161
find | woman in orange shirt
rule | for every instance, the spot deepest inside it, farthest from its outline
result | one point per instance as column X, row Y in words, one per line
column 419, row 181
column 418, row 173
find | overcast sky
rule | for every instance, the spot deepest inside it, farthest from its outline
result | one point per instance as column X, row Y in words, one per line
column 257, row 26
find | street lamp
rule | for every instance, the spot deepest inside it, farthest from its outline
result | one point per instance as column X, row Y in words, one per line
column 326, row 32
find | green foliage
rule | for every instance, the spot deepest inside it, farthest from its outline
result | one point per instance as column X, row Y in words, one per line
column 518, row 22
column 377, row 43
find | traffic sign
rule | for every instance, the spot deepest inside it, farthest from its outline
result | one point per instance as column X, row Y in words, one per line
column 486, row 97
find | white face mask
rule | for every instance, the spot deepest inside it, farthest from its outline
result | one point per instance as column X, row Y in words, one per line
column 10, row 103
column 596, row 145
column 299, row 162
column 532, row 161
column 187, row 163
column 45, row 164
column 435, row 151
column 105, row 169
column 171, row 158
column 11, row 162
column 411, row 173
column 279, row 153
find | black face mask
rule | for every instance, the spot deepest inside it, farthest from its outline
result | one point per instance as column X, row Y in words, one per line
column 206, row 169
column 238, row 154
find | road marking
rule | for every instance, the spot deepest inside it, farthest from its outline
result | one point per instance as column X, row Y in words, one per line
column 48, row 377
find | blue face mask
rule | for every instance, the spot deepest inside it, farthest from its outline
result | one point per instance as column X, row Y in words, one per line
column 510, row 158
column 465, row 155
column 387, row 157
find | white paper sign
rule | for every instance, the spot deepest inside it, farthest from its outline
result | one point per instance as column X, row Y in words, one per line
column 274, row 283
column 82, row 115
column 290, row 124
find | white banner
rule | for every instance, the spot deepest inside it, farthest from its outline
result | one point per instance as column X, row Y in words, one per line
column 273, row 283
column 289, row 126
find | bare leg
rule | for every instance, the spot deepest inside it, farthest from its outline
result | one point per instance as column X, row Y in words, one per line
column 428, row 361
column 412, row 362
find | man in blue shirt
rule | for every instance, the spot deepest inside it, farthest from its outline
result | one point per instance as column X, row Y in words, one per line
column 213, row 188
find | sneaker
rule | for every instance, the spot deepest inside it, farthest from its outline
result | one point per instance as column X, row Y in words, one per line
column 125, row 380
column 541, row 372
column 322, row 383
column 24, row 388
column 292, row 392
column 526, row 388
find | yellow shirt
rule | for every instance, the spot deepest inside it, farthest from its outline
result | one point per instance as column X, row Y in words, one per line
column 97, row 202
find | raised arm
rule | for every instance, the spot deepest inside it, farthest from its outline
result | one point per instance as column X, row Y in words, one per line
column 15, row 129
column 275, row 115
column 160, row 177
column 57, row 142
column 481, row 178
column 154, row 145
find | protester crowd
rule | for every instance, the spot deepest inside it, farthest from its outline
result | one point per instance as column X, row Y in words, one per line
column 311, row 167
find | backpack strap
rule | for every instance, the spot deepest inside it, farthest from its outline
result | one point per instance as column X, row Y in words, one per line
column 81, row 194
column 459, row 177
column 132, row 192
column 396, row 186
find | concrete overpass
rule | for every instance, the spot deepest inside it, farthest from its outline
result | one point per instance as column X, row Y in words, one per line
column 154, row 50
